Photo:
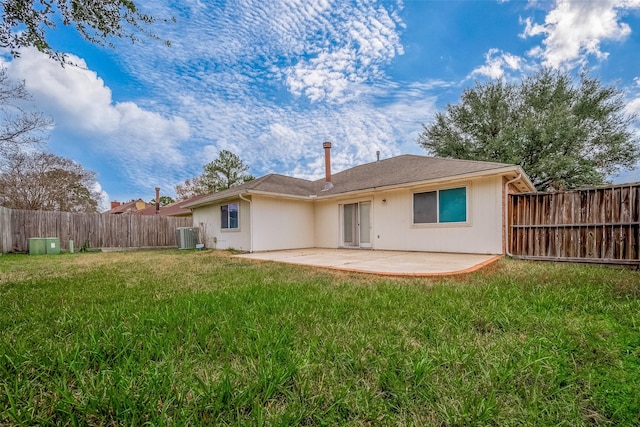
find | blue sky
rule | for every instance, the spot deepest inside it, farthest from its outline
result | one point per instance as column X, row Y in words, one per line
column 271, row 80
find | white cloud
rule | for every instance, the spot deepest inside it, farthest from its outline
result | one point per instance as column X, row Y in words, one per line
column 496, row 63
column 274, row 138
column 360, row 44
column 575, row 29
column 634, row 106
column 248, row 71
column 633, row 103
column 104, row 202
column 320, row 50
column 241, row 78
column 83, row 108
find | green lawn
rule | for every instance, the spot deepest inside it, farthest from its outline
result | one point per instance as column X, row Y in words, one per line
column 183, row 337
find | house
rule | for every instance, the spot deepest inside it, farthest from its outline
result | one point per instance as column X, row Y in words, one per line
column 131, row 207
column 173, row 209
column 408, row 202
column 140, row 207
column 176, row 209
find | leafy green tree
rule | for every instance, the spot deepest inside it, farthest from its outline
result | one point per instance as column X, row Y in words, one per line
column 164, row 201
column 25, row 22
column 44, row 181
column 224, row 172
column 564, row 133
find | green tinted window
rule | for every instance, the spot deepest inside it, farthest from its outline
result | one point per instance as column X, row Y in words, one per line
column 452, row 205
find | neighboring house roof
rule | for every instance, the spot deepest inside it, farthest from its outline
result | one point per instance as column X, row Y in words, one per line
column 391, row 172
column 176, row 209
column 131, row 207
column 149, row 210
column 173, row 209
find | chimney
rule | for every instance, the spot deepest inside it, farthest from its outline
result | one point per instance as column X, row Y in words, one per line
column 327, row 166
column 378, row 155
column 114, row 204
column 157, row 200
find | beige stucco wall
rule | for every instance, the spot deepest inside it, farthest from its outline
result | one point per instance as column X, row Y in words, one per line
column 207, row 218
column 281, row 223
column 289, row 224
column 393, row 228
column 327, row 224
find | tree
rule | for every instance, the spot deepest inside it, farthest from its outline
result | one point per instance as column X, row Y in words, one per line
column 26, row 22
column 224, row 172
column 564, row 134
column 19, row 128
column 190, row 188
column 43, row 181
column 164, row 201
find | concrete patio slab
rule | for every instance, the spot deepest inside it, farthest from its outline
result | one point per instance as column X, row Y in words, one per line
column 388, row 263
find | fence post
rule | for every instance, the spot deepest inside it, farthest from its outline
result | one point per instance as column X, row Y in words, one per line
column 6, row 231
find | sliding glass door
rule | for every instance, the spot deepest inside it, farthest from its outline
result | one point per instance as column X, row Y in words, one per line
column 356, row 224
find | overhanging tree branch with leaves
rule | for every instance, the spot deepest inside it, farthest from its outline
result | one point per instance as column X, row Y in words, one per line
column 25, row 23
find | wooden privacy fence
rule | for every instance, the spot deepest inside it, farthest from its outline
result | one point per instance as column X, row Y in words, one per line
column 94, row 229
column 598, row 224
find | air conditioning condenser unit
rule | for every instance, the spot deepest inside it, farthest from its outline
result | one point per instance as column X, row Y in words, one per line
column 187, row 237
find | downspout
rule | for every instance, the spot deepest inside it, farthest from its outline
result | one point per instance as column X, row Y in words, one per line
column 506, row 214
column 250, row 222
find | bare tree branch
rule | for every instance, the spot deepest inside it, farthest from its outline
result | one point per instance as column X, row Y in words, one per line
column 44, row 181
column 18, row 127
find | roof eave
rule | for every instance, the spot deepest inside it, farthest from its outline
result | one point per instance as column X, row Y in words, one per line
column 282, row 195
column 526, row 181
column 213, row 199
column 236, row 194
column 512, row 171
column 515, row 170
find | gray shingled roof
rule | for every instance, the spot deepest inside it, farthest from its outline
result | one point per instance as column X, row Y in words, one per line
column 398, row 170
column 272, row 183
column 402, row 170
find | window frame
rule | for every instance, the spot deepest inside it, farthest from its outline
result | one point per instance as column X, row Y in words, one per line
column 229, row 217
column 438, row 222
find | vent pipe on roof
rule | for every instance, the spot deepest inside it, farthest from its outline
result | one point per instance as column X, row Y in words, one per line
column 327, row 166
column 378, row 155
column 157, row 200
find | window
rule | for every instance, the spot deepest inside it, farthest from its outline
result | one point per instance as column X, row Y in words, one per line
column 441, row 206
column 229, row 216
